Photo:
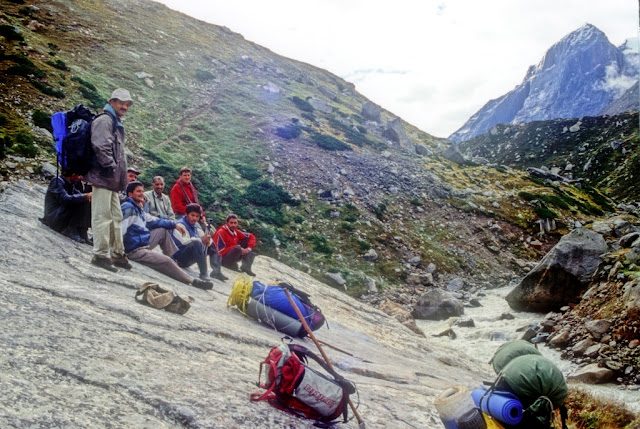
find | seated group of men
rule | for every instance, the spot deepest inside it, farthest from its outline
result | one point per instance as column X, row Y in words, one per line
column 151, row 219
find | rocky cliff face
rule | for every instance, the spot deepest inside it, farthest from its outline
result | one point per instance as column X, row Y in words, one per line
column 581, row 75
column 77, row 350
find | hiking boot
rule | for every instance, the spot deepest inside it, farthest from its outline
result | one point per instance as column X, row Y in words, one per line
column 122, row 262
column 233, row 268
column 219, row 276
column 247, row 271
column 202, row 284
column 82, row 232
column 102, row 262
column 205, row 277
column 68, row 232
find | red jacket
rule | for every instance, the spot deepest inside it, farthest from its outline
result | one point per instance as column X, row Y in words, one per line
column 181, row 195
column 225, row 240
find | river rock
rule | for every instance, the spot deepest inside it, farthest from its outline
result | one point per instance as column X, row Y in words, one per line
column 401, row 315
column 581, row 346
column 563, row 273
column 455, row 285
column 436, row 304
column 598, row 327
column 560, row 339
column 592, row 374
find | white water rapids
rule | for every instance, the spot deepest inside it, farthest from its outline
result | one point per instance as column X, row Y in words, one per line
column 479, row 343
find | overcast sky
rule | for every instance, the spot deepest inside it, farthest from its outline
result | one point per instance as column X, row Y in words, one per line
column 433, row 63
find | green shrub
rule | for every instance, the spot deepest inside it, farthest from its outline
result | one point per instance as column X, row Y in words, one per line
column 83, row 82
column 302, row 104
column 320, row 245
column 527, row 196
column 347, row 227
column 3, row 120
column 309, row 117
column 363, row 245
column 186, row 137
column 52, row 46
column 555, row 201
column 267, row 194
column 359, row 119
column 352, row 135
column 288, row 132
column 416, row 201
column 298, row 219
column 24, row 146
column 59, row 64
column 350, row 218
column 42, row 120
column 379, row 210
column 48, row 90
column 95, row 100
column 598, row 198
column 204, row 75
column 328, row 142
column 271, row 216
column 545, row 213
column 10, row 33
column 5, row 143
column 248, row 172
column 23, row 67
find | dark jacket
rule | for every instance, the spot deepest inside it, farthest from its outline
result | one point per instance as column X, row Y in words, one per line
column 136, row 225
column 111, row 171
column 59, row 201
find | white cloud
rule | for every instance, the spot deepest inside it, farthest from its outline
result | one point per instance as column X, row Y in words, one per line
column 458, row 53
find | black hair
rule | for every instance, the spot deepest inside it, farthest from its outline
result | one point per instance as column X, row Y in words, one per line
column 132, row 186
column 193, row 207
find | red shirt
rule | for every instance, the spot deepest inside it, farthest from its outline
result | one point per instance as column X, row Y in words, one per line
column 225, row 240
column 182, row 195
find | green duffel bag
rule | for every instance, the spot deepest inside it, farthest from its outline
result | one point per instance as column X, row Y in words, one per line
column 509, row 351
column 539, row 385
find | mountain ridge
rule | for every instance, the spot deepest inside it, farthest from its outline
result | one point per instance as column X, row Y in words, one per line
column 581, row 75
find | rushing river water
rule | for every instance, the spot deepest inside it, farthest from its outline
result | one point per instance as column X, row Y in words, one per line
column 479, row 343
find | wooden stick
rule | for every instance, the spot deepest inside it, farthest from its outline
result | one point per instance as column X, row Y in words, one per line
column 324, row 356
column 343, row 351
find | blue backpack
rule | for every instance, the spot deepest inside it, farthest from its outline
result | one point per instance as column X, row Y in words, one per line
column 72, row 133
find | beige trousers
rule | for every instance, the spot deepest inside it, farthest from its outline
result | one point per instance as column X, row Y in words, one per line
column 106, row 223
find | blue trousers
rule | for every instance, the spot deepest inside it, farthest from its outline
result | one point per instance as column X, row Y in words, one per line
column 192, row 253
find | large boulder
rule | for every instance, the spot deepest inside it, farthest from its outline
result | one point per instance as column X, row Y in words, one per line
column 452, row 153
column 396, row 133
column 370, row 112
column 436, row 304
column 562, row 274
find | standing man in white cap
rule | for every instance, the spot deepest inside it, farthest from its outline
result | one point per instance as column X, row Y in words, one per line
column 109, row 177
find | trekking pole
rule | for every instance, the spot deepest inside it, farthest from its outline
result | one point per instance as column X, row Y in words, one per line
column 343, row 351
column 324, row 356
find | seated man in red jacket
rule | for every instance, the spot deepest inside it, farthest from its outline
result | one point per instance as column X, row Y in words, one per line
column 183, row 193
column 235, row 246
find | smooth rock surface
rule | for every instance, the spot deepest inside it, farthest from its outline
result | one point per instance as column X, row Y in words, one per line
column 79, row 351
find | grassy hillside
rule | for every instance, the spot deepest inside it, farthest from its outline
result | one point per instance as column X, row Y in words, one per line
column 604, row 150
column 282, row 143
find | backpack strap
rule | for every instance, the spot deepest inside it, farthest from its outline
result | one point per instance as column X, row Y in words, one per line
column 563, row 416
